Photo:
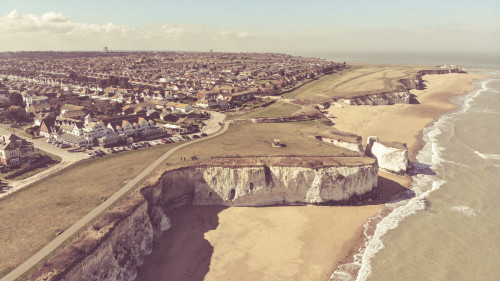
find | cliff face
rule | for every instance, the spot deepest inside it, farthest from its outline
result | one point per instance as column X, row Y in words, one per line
column 115, row 244
column 118, row 257
column 392, row 157
column 401, row 95
column 380, row 99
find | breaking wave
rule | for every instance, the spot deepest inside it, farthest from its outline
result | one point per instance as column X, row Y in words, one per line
column 423, row 185
column 467, row 211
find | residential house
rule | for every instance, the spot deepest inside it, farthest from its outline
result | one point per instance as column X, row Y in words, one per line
column 39, row 108
column 15, row 151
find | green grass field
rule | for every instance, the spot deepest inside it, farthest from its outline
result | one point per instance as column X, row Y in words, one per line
column 355, row 81
column 276, row 109
column 249, row 140
column 317, row 88
column 29, row 218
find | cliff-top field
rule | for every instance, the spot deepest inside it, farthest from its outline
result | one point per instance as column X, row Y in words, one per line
column 255, row 139
column 31, row 217
column 358, row 80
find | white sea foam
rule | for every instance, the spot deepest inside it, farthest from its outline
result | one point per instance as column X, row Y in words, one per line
column 467, row 211
column 423, row 185
column 487, row 156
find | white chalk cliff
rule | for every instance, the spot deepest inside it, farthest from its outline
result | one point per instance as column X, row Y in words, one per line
column 113, row 247
column 392, row 157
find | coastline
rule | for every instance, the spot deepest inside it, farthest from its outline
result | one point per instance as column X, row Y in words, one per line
column 434, row 101
column 304, row 243
column 276, row 243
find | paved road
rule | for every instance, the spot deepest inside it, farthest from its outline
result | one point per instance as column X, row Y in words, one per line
column 41, row 143
column 67, row 158
column 54, row 244
column 213, row 124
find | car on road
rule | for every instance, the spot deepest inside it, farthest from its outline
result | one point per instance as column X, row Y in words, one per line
column 91, row 154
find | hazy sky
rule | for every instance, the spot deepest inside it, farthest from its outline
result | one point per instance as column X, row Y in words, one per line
column 273, row 25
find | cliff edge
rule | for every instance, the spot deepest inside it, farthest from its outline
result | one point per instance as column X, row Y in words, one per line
column 113, row 246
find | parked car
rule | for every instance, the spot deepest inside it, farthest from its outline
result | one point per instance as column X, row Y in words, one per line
column 122, row 148
column 100, row 153
column 91, row 154
column 196, row 137
column 110, row 150
column 155, row 142
column 49, row 140
column 203, row 135
column 164, row 141
column 116, row 149
column 64, row 145
column 136, row 145
column 146, row 144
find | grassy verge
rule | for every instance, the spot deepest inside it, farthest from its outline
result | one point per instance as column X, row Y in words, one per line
column 45, row 155
column 31, row 217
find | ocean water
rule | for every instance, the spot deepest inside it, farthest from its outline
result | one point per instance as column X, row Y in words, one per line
column 449, row 229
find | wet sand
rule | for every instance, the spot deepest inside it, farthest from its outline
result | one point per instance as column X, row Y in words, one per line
column 296, row 243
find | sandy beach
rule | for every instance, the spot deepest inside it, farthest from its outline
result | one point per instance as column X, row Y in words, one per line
column 297, row 243
column 404, row 122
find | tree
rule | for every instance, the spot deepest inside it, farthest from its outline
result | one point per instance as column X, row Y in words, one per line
column 16, row 114
column 16, row 99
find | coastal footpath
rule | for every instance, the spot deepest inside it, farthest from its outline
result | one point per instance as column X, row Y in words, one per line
column 113, row 246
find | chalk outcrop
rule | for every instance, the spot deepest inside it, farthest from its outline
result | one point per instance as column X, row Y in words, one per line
column 380, row 99
column 342, row 139
column 392, row 157
column 113, row 246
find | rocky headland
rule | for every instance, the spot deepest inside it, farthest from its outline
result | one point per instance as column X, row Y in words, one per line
column 113, row 246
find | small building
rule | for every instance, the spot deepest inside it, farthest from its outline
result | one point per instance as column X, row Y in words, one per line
column 276, row 143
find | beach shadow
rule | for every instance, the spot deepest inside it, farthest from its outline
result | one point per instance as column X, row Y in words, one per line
column 417, row 168
column 413, row 99
column 182, row 253
column 390, row 191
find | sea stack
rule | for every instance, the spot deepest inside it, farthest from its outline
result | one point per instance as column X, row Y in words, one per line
column 391, row 156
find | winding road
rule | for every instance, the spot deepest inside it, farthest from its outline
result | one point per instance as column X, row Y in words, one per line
column 72, row 230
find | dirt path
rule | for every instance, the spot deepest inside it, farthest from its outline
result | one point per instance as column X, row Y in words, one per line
column 72, row 230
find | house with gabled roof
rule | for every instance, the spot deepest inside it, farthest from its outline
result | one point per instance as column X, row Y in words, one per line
column 15, row 151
